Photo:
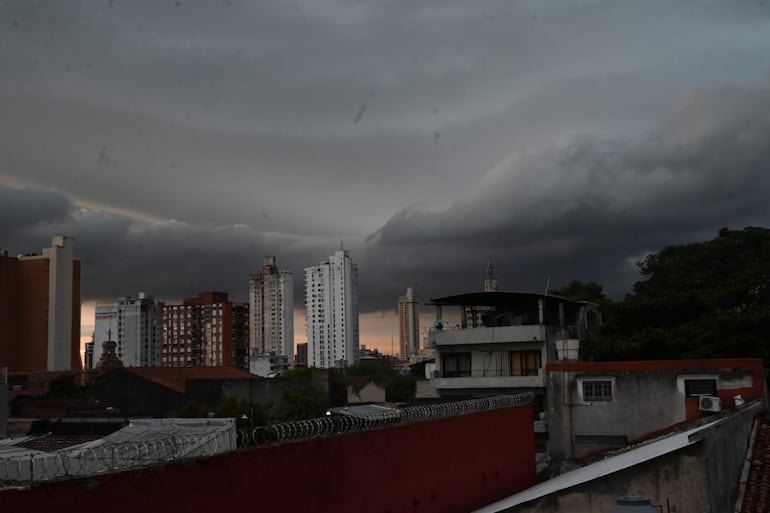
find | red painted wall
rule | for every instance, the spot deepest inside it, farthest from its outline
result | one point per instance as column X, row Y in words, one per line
column 448, row 465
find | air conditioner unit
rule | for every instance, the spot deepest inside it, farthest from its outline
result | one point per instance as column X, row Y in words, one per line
column 709, row 403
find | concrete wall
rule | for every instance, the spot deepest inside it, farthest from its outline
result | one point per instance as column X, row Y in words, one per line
column 647, row 397
column 448, row 465
column 703, row 477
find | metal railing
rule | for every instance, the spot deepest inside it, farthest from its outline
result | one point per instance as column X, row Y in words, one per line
column 337, row 424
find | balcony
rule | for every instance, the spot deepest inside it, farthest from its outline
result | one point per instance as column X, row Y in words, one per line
column 497, row 335
column 479, row 379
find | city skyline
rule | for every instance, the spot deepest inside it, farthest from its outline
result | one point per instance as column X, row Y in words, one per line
column 179, row 143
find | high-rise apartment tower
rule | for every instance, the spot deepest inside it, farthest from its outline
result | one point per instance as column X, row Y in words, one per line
column 271, row 311
column 40, row 309
column 205, row 331
column 408, row 324
column 135, row 326
column 331, row 312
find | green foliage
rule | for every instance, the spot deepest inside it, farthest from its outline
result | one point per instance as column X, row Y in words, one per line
column 418, row 369
column 193, row 410
column 301, row 400
column 398, row 387
column 298, row 372
column 580, row 291
column 256, row 414
column 377, row 370
column 700, row 300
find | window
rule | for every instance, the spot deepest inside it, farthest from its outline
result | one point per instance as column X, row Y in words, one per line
column 456, row 365
column 525, row 363
column 599, row 390
column 698, row 387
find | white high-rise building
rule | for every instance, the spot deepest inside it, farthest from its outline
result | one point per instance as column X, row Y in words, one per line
column 408, row 324
column 331, row 317
column 271, row 318
column 135, row 326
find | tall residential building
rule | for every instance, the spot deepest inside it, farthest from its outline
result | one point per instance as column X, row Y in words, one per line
column 331, row 317
column 135, row 326
column 408, row 324
column 271, row 313
column 205, row 331
column 40, row 309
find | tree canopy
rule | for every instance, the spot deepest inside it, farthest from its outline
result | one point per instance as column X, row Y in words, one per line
column 699, row 300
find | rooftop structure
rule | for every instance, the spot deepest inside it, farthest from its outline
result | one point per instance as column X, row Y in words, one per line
column 504, row 340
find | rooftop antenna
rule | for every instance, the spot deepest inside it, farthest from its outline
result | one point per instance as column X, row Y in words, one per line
column 342, row 245
column 490, row 283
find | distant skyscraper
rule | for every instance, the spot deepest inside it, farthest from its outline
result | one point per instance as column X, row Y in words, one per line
column 490, row 282
column 331, row 317
column 205, row 331
column 40, row 309
column 271, row 312
column 135, row 326
column 88, row 357
column 408, row 324
column 301, row 358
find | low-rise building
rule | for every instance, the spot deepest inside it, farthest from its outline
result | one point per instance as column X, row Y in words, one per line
column 504, row 340
column 594, row 406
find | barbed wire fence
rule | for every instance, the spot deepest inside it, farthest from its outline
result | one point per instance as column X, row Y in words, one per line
column 102, row 456
column 285, row 432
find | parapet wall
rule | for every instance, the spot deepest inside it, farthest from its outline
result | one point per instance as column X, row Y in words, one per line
column 452, row 464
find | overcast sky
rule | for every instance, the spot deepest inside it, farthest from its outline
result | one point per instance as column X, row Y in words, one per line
column 181, row 141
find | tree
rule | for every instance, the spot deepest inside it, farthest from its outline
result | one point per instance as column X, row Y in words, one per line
column 301, row 400
column 699, row 300
column 580, row 291
column 398, row 387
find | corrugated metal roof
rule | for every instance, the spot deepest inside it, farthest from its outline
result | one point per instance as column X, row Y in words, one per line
column 610, row 465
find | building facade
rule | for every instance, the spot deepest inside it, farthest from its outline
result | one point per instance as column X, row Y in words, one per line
column 40, row 309
column 331, row 318
column 205, row 331
column 504, row 341
column 135, row 326
column 271, row 315
column 408, row 324
column 595, row 406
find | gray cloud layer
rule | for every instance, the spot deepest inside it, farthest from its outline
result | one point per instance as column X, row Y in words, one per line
column 541, row 135
column 584, row 210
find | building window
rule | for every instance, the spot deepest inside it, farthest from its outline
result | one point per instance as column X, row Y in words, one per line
column 525, row 363
column 600, row 390
column 698, row 387
column 456, row 365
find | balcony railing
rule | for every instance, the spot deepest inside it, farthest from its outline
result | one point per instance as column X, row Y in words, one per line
column 487, row 378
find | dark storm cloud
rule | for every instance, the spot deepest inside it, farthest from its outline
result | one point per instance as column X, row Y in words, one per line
column 590, row 209
column 171, row 260
column 281, row 127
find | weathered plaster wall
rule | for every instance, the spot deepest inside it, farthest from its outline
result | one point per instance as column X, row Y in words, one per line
column 647, row 397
